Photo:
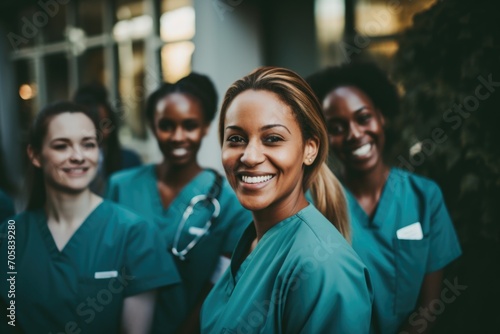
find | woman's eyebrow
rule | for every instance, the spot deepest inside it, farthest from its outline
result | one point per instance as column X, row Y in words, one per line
column 234, row 127
column 264, row 128
column 63, row 139
column 270, row 126
column 360, row 109
column 67, row 140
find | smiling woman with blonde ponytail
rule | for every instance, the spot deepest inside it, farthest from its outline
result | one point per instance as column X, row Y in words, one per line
column 293, row 270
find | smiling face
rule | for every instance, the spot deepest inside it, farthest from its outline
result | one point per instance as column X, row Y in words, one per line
column 263, row 153
column 179, row 127
column 355, row 128
column 69, row 152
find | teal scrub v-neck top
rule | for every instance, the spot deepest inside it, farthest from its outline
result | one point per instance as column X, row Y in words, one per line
column 398, row 265
column 114, row 254
column 137, row 189
column 302, row 277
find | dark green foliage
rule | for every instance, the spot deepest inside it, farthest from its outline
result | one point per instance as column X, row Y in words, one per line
column 439, row 64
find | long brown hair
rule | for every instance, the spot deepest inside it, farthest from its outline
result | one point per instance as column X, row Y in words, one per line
column 296, row 93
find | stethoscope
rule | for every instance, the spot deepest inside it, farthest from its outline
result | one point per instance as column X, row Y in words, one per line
column 210, row 197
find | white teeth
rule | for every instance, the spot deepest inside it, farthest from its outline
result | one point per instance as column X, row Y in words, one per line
column 75, row 169
column 179, row 151
column 256, row 179
column 363, row 150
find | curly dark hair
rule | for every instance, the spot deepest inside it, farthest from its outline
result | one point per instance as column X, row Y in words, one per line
column 196, row 85
column 365, row 76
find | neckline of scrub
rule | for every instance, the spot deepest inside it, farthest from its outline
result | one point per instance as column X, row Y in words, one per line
column 249, row 235
column 383, row 204
column 182, row 197
column 49, row 239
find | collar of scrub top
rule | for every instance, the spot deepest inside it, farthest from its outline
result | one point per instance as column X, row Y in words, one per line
column 210, row 197
column 385, row 206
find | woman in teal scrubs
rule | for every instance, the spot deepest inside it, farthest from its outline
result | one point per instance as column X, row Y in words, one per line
column 401, row 228
column 293, row 271
column 73, row 262
column 179, row 115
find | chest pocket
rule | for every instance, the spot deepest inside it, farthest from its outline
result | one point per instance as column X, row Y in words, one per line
column 411, row 262
column 101, row 302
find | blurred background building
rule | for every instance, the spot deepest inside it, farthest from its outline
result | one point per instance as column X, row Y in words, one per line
column 50, row 47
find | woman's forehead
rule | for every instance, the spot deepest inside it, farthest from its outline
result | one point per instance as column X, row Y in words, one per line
column 70, row 125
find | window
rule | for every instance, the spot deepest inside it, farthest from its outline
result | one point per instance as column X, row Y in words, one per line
column 177, row 28
column 128, row 45
column 365, row 28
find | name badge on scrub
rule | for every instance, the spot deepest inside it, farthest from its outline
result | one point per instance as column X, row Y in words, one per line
column 410, row 232
column 105, row 274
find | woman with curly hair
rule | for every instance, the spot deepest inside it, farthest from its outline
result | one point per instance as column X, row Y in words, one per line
column 400, row 225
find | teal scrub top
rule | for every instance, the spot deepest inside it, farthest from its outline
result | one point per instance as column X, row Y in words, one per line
column 137, row 190
column 6, row 206
column 114, row 254
column 302, row 277
column 398, row 265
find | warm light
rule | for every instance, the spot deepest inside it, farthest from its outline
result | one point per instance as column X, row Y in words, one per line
column 376, row 19
column 176, row 60
column 177, row 24
column 137, row 28
column 27, row 92
column 329, row 20
column 380, row 17
column 385, row 48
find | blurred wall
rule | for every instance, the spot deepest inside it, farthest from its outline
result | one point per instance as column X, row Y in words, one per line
column 290, row 38
column 227, row 47
column 9, row 129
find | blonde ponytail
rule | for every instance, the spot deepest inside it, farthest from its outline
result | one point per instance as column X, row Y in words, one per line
column 330, row 200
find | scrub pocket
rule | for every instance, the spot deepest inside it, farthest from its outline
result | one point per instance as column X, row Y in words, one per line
column 101, row 301
column 411, row 263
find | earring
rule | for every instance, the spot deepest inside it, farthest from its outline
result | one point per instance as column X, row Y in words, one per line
column 310, row 160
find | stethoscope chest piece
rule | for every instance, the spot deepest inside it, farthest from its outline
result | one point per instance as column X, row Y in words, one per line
column 211, row 198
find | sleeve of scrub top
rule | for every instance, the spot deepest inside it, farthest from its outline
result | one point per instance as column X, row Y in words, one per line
column 112, row 192
column 444, row 244
column 328, row 295
column 148, row 263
